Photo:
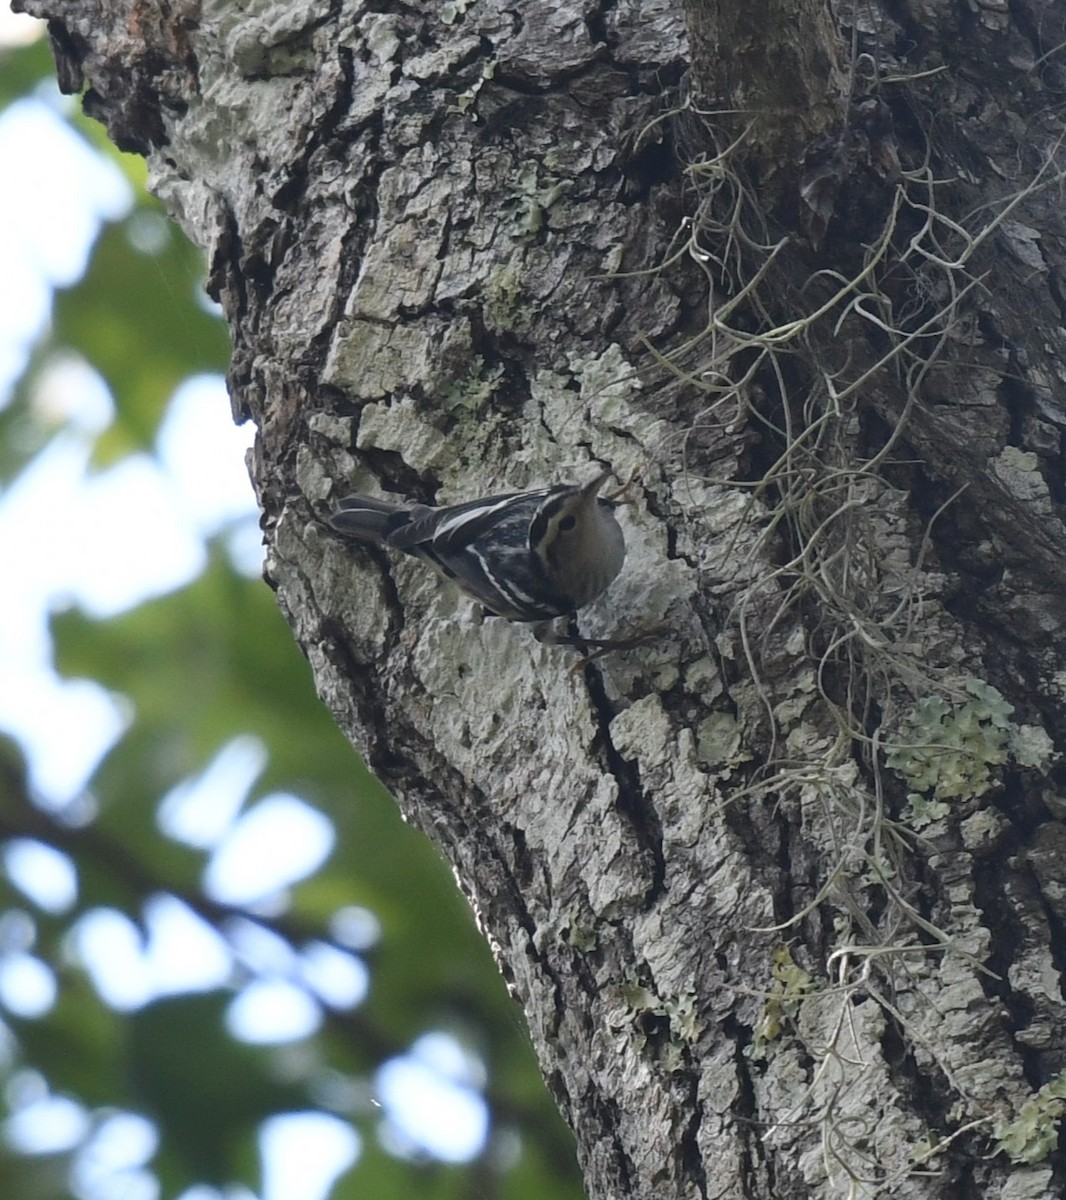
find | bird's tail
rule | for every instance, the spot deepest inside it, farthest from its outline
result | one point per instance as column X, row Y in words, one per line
column 369, row 519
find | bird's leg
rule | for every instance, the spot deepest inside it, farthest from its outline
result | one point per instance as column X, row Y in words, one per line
column 590, row 648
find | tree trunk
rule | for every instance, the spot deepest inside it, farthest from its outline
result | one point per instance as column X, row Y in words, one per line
column 780, row 892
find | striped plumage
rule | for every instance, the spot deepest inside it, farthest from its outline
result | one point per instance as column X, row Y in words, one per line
column 526, row 556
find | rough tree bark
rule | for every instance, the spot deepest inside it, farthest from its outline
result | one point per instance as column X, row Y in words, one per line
column 780, row 893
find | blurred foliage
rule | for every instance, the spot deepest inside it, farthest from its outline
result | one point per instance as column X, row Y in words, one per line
column 199, row 667
column 145, row 309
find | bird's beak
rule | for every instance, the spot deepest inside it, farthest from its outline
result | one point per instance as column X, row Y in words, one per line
column 593, row 486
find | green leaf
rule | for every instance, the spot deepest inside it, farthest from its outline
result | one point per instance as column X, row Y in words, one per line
column 133, row 317
column 207, row 1091
column 22, row 68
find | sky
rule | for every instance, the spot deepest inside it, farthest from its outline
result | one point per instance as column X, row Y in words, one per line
column 140, row 532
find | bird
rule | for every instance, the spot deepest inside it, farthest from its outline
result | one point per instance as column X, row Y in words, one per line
column 531, row 556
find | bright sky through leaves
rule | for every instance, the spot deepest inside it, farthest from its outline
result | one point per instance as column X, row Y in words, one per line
column 105, row 542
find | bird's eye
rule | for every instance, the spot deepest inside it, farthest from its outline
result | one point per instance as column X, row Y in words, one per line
column 567, row 523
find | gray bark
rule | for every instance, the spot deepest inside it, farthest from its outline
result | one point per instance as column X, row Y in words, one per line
column 780, row 893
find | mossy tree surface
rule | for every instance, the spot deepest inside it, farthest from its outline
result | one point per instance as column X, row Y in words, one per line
column 779, row 892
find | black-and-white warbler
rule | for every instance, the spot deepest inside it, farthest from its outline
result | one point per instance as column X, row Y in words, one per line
column 526, row 556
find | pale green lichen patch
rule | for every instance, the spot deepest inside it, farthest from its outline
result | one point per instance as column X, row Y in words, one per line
column 534, row 191
column 947, row 749
column 674, row 1017
column 501, row 295
column 1031, row 746
column 790, row 984
column 1018, row 470
column 452, row 10
column 1034, row 1132
column 466, row 98
column 470, row 393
